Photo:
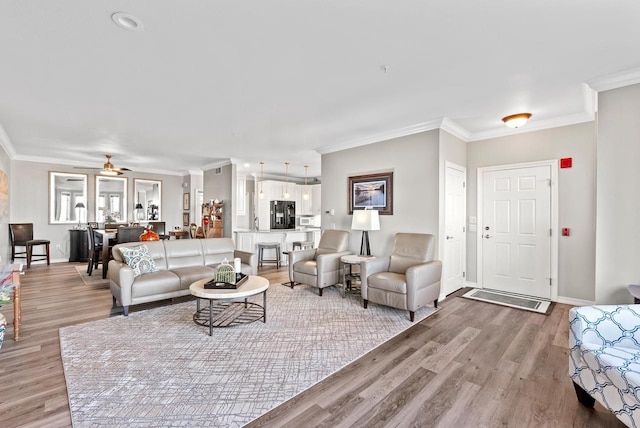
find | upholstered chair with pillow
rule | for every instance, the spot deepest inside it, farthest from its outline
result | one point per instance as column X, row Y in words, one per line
column 320, row 267
column 409, row 279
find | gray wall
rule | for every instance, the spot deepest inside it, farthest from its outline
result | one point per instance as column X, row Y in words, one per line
column 618, row 229
column 221, row 187
column 5, row 206
column 30, row 201
column 414, row 162
column 576, row 196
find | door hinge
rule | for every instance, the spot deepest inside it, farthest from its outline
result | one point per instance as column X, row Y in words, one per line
column 464, row 184
column 549, row 182
column 550, row 232
column 464, row 229
column 549, row 282
column 464, row 274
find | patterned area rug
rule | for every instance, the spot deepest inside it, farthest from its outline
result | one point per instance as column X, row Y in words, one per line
column 158, row 368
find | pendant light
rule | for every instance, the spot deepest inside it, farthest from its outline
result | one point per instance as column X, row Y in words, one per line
column 286, row 180
column 261, row 194
column 305, row 195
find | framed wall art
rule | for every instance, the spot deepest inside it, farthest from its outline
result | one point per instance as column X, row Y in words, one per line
column 186, row 202
column 185, row 219
column 371, row 191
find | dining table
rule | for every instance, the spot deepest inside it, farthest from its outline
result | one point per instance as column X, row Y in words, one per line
column 107, row 234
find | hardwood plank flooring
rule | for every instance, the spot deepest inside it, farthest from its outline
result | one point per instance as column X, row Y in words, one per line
column 472, row 364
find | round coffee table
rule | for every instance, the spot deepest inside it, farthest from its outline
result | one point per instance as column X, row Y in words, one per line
column 224, row 309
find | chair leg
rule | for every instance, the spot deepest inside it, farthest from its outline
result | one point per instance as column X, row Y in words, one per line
column 90, row 266
column 412, row 315
column 114, row 300
column 48, row 258
column 125, row 310
column 583, row 397
column 29, row 251
column 435, row 303
column 365, row 303
column 320, row 292
column 13, row 253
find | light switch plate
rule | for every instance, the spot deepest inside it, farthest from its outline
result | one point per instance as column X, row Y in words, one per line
column 472, row 220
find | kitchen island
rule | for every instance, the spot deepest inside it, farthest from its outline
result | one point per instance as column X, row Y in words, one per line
column 246, row 239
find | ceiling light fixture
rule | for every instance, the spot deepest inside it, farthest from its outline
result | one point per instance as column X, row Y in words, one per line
column 516, row 120
column 286, row 180
column 261, row 194
column 305, row 195
column 126, row 21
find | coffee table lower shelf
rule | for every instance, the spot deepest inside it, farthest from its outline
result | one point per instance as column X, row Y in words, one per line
column 226, row 314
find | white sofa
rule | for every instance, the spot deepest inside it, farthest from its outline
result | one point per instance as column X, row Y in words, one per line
column 604, row 358
column 180, row 263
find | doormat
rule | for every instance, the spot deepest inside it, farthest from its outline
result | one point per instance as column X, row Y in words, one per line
column 528, row 303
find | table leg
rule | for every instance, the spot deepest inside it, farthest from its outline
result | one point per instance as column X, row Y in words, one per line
column 344, row 281
column 105, row 254
column 17, row 308
column 264, row 305
column 210, row 317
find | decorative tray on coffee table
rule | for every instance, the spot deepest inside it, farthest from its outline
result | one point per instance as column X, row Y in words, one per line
column 218, row 283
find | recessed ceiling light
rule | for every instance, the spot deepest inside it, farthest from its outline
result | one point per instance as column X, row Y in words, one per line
column 126, row 21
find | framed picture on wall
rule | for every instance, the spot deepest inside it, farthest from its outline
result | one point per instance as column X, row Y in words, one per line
column 185, row 219
column 372, row 191
column 186, row 202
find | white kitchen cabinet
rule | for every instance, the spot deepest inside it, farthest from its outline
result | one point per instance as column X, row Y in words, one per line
column 316, row 199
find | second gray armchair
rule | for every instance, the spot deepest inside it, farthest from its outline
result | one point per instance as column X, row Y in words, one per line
column 409, row 279
column 320, row 267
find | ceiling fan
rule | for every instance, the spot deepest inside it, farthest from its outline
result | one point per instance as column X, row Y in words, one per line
column 108, row 168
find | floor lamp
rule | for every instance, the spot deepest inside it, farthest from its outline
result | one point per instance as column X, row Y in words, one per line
column 365, row 220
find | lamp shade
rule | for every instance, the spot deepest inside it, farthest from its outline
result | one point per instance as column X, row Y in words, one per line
column 365, row 220
column 79, row 205
column 138, row 206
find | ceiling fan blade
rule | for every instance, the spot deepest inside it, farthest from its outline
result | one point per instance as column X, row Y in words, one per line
column 121, row 169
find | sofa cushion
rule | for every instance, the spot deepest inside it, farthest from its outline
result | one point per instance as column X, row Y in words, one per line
column 156, row 251
column 183, row 253
column 189, row 275
column 155, row 283
column 388, row 281
column 216, row 250
column 309, row 267
column 138, row 259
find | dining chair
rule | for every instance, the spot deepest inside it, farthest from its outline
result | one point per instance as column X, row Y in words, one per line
column 21, row 235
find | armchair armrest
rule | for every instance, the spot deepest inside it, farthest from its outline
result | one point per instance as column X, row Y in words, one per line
column 371, row 266
column 423, row 275
column 329, row 262
column 121, row 279
column 605, row 325
column 247, row 258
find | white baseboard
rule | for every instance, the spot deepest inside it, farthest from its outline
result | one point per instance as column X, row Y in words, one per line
column 574, row 302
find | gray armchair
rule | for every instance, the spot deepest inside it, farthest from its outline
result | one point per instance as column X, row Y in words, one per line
column 320, row 267
column 409, row 279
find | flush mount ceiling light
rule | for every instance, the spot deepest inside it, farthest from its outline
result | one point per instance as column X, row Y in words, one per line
column 516, row 120
column 126, row 21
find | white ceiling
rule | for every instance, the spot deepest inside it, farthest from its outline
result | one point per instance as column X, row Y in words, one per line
column 275, row 81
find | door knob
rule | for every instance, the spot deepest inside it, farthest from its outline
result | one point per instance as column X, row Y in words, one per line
column 449, row 237
column 487, row 236
column 486, row 228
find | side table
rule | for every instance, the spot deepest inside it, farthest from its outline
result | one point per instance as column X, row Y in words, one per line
column 349, row 278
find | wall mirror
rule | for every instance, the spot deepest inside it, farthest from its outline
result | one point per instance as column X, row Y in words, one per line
column 147, row 203
column 111, row 199
column 66, row 192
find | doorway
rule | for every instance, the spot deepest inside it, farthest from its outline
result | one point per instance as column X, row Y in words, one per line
column 455, row 239
column 517, row 220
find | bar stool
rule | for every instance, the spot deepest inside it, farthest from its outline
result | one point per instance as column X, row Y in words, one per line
column 303, row 245
column 268, row 246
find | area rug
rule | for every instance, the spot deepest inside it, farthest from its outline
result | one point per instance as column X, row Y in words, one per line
column 527, row 303
column 94, row 279
column 158, row 368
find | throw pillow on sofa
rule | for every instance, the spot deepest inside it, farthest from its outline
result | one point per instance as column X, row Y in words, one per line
column 138, row 259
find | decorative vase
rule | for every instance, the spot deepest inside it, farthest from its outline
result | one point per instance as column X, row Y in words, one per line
column 149, row 235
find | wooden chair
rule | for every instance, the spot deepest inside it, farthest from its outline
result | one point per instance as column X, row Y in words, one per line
column 21, row 235
column 160, row 228
column 95, row 250
column 129, row 234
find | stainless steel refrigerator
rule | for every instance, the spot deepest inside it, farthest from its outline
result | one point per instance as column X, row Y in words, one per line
column 283, row 215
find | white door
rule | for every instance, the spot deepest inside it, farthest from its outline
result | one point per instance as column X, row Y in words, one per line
column 454, row 262
column 516, row 230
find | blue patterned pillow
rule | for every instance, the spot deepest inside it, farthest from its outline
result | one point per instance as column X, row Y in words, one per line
column 138, row 259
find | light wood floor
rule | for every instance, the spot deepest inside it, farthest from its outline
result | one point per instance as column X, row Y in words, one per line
column 472, row 364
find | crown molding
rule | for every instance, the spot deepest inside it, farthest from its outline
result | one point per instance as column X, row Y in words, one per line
column 384, row 136
column 454, row 129
column 616, row 80
column 5, row 142
column 217, row 164
column 40, row 159
column 571, row 119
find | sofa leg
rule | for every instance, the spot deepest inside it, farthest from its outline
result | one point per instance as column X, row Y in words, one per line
column 114, row 300
column 412, row 315
column 435, row 303
column 320, row 292
column 126, row 310
column 365, row 303
column 583, row 397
